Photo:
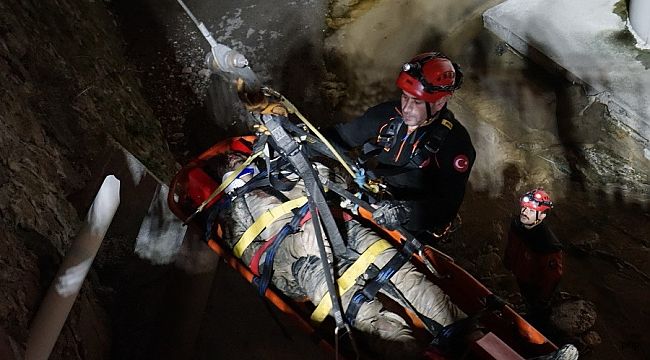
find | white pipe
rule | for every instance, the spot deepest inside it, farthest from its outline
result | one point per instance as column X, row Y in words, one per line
column 639, row 14
column 61, row 295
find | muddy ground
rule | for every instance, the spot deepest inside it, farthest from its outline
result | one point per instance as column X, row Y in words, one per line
column 78, row 75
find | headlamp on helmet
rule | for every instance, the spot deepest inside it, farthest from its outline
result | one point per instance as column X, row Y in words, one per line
column 536, row 199
column 430, row 77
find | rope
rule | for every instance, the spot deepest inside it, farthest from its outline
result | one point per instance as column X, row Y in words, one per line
column 224, row 185
column 204, row 31
column 292, row 109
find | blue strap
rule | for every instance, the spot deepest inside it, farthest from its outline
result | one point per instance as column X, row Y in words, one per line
column 221, row 204
column 291, row 227
column 370, row 290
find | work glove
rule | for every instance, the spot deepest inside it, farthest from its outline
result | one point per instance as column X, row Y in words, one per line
column 391, row 214
column 360, row 177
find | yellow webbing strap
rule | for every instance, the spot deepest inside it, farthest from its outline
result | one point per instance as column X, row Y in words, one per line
column 229, row 179
column 349, row 278
column 223, row 185
column 268, row 217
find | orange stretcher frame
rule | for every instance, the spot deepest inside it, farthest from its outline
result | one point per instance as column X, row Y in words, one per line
column 507, row 332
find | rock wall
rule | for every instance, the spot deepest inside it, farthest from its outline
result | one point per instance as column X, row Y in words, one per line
column 66, row 91
column 521, row 118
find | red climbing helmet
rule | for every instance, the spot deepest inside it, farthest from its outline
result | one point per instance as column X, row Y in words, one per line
column 536, row 199
column 430, row 77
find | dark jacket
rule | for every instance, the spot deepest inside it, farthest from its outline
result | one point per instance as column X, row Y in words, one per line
column 435, row 190
column 535, row 258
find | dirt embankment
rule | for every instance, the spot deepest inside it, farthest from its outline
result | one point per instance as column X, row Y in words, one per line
column 66, row 92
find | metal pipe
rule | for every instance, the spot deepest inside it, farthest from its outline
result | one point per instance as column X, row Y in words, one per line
column 61, row 295
column 639, row 15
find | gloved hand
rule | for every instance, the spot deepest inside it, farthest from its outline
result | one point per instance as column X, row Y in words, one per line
column 360, row 177
column 391, row 213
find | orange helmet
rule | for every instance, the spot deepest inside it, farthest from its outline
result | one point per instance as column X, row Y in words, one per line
column 430, row 77
column 536, row 199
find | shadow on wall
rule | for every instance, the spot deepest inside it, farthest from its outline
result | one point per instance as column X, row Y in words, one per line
column 221, row 116
column 532, row 116
column 602, row 153
column 148, row 46
column 562, row 148
column 302, row 83
column 154, row 297
column 368, row 51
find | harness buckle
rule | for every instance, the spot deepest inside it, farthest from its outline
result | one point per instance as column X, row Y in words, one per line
column 384, row 141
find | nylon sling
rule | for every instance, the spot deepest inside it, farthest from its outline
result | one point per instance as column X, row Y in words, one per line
column 381, row 279
column 348, row 279
column 316, row 202
column 271, row 247
column 263, row 221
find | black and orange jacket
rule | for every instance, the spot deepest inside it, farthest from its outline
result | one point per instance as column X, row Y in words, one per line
column 436, row 187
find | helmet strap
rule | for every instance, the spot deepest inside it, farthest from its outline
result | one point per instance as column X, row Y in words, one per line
column 537, row 219
column 430, row 116
column 535, row 223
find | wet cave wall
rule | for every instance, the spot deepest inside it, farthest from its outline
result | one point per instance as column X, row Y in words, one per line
column 79, row 76
column 520, row 114
column 531, row 126
column 68, row 93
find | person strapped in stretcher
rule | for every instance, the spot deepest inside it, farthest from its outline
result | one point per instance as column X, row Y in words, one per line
column 268, row 226
column 270, row 229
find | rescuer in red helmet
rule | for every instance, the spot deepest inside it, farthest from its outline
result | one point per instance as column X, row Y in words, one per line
column 534, row 255
column 422, row 153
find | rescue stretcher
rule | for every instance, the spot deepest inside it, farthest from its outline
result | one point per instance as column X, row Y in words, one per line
column 507, row 334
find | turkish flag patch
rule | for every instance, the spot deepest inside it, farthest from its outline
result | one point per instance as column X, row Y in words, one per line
column 461, row 163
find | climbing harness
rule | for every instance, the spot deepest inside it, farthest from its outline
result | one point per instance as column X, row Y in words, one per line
column 378, row 281
column 425, row 144
column 275, row 131
column 317, row 207
column 263, row 221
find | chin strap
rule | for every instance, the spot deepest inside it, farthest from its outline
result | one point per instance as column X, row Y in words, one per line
column 430, row 117
column 537, row 219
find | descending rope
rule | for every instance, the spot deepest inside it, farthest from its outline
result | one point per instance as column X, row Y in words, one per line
column 228, row 60
column 204, row 31
column 292, row 109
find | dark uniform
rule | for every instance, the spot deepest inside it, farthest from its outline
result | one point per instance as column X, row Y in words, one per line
column 427, row 168
column 535, row 258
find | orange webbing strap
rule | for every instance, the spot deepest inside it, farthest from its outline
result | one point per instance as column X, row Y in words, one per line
column 394, row 234
column 528, row 332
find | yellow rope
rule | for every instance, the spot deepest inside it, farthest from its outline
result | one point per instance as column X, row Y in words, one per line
column 225, row 184
column 292, row 109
